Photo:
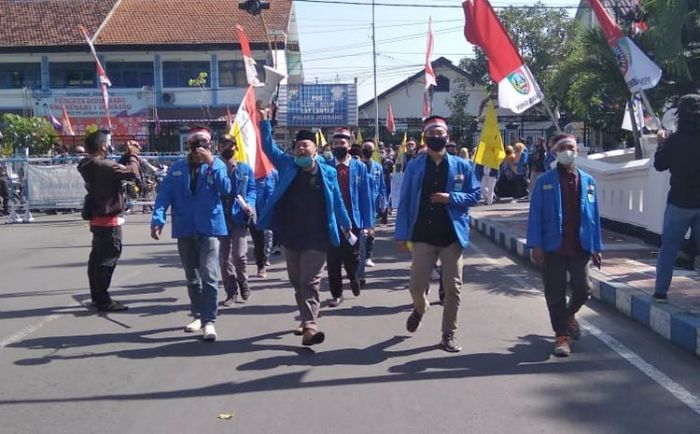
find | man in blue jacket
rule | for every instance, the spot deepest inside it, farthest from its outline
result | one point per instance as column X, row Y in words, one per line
column 307, row 210
column 378, row 197
column 262, row 239
column 433, row 214
column 239, row 209
column 564, row 233
column 193, row 189
column 355, row 188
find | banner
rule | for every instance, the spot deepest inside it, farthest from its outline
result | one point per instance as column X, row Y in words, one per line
column 318, row 105
column 59, row 186
column 128, row 113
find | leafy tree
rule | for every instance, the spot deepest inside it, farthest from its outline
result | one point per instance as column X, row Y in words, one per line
column 35, row 133
column 201, row 82
column 460, row 121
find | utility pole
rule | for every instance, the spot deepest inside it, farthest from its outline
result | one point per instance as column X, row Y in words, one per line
column 374, row 62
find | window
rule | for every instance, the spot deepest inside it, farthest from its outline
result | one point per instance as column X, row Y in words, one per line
column 130, row 74
column 177, row 74
column 443, row 84
column 72, row 75
column 19, row 75
column 232, row 73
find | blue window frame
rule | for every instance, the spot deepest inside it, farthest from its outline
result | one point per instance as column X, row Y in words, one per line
column 177, row 74
column 63, row 75
column 130, row 74
column 19, row 75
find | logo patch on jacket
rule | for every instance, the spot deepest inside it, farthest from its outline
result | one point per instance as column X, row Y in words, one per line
column 547, row 187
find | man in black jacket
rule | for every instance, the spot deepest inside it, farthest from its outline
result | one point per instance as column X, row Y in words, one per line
column 103, row 205
column 679, row 153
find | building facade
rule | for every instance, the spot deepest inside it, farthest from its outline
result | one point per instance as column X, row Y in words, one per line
column 151, row 58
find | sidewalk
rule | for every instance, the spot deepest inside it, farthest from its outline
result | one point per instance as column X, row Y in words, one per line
column 626, row 280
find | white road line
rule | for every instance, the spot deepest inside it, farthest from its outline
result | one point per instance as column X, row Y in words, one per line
column 23, row 333
column 679, row 392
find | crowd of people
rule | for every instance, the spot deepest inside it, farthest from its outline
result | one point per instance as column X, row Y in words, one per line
column 323, row 205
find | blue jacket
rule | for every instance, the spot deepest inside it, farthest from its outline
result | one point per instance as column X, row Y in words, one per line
column 461, row 185
column 243, row 183
column 544, row 228
column 265, row 187
column 549, row 159
column 360, row 194
column 335, row 210
column 201, row 213
column 377, row 188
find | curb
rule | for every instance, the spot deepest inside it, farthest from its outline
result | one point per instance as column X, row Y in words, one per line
column 674, row 324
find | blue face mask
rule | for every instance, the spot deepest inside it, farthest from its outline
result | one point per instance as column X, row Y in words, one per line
column 303, row 161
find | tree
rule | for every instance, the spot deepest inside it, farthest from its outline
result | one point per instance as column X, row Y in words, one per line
column 35, row 133
column 460, row 121
column 201, row 82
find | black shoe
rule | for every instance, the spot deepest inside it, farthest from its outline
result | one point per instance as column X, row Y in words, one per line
column 355, row 287
column 113, row 306
column 245, row 293
column 660, row 298
column 449, row 344
column 413, row 321
column 335, row 302
column 363, row 283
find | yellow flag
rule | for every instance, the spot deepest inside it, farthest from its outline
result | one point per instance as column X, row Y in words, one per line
column 401, row 155
column 422, row 140
column 490, row 152
column 240, row 154
column 320, row 139
column 376, row 156
column 358, row 137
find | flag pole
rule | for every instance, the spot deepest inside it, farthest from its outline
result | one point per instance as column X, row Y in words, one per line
column 551, row 114
column 374, row 63
column 649, row 108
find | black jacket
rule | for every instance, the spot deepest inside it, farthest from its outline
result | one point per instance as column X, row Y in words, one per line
column 681, row 156
column 103, row 182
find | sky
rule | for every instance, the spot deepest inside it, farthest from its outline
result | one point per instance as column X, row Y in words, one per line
column 336, row 40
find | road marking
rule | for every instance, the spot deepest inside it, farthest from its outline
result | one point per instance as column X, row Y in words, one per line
column 23, row 333
column 679, row 392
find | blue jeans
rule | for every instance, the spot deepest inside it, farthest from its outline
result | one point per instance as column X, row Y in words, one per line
column 200, row 259
column 676, row 223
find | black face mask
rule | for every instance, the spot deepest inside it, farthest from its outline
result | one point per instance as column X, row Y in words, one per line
column 367, row 153
column 437, row 144
column 340, row 152
column 227, row 154
column 452, row 151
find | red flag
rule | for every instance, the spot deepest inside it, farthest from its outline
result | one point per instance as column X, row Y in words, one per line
column 426, row 104
column 65, row 121
column 250, row 72
column 390, row 125
column 101, row 74
column 639, row 71
column 430, row 79
column 517, row 88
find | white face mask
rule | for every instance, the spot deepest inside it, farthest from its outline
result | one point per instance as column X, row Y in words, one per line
column 566, row 158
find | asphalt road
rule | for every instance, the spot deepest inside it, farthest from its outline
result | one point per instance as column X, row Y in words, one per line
column 66, row 369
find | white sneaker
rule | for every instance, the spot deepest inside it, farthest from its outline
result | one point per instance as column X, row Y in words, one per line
column 194, row 326
column 370, row 263
column 209, row 332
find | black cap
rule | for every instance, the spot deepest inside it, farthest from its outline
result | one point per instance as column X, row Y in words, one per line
column 306, row 135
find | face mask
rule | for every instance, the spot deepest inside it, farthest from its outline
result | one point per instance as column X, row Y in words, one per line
column 328, row 155
column 340, row 152
column 227, row 154
column 303, row 161
column 367, row 153
column 452, row 151
column 437, row 143
column 566, row 158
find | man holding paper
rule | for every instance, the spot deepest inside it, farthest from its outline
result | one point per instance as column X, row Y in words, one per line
column 239, row 208
column 307, row 209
